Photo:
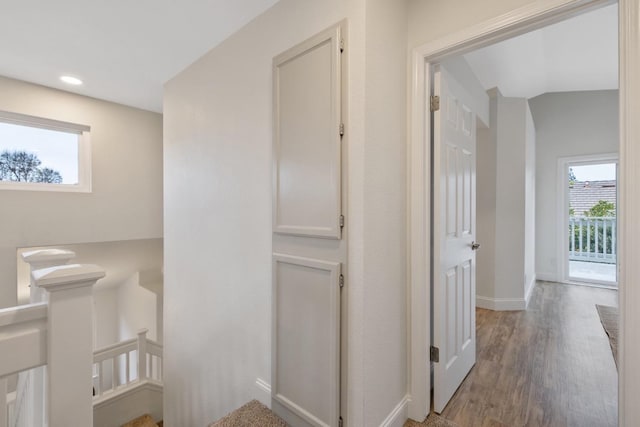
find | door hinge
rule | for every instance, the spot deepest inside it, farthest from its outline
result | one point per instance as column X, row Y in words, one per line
column 341, row 221
column 340, row 422
column 435, row 103
column 341, row 45
column 341, row 281
column 341, row 130
column 434, row 354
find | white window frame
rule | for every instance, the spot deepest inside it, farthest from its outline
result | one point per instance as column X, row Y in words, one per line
column 84, row 153
column 562, row 217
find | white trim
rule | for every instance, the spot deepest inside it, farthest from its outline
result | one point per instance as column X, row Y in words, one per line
column 42, row 123
column 84, row 167
column 501, row 304
column 398, row 415
column 264, row 392
column 562, row 219
column 125, row 392
column 532, row 16
column 629, row 212
column 529, row 290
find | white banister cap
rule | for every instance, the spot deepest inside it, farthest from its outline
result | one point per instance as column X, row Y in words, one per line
column 46, row 255
column 67, row 276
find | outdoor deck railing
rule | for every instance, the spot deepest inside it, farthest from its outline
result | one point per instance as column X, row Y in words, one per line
column 592, row 239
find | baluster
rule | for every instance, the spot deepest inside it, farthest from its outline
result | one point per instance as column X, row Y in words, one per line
column 573, row 236
column 99, row 384
column 613, row 239
column 151, row 367
column 595, row 229
column 580, row 234
column 604, row 239
column 589, row 225
column 126, row 381
column 597, row 236
column 115, row 373
column 142, row 354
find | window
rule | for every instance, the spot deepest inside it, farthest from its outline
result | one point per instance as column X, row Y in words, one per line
column 43, row 154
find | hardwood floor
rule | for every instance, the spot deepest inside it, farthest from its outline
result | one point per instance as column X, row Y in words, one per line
column 550, row 365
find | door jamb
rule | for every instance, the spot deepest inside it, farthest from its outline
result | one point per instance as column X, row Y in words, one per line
column 528, row 18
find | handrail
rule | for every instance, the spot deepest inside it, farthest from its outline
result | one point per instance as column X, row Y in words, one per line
column 114, row 350
column 22, row 313
column 23, row 336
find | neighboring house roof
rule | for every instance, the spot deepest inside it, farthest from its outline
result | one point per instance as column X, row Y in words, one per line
column 583, row 195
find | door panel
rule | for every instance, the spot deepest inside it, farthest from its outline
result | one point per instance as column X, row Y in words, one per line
column 307, row 160
column 454, row 231
column 306, row 337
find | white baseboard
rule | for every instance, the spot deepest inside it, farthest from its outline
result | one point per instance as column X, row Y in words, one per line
column 501, row 304
column 399, row 415
column 529, row 290
column 547, row 277
column 264, row 392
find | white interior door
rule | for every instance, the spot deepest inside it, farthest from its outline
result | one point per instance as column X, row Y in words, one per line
column 309, row 252
column 454, row 223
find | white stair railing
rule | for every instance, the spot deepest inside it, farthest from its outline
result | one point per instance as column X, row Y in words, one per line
column 58, row 334
column 592, row 239
column 131, row 363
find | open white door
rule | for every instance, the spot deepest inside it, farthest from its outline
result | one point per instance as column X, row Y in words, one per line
column 454, row 223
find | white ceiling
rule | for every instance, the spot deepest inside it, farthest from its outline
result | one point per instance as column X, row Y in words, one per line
column 123, row 50
column 574, row 55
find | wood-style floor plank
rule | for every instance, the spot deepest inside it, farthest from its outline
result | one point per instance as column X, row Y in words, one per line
column 550, row 365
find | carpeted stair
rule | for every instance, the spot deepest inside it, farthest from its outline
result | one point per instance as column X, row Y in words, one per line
column 145, row 420
column 255, row 414
column 432, row 420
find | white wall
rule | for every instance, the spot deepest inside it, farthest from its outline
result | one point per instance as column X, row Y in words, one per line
column 136, row 310
column 384, row 216
column 506, row 207
column 218, row 213
column 567, row 124
column 126, row 201
column 208, row 263
column 529, row 204
column 486, row 209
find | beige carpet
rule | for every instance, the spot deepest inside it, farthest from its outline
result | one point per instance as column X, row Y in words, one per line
column 143, row 421
column 253, row 414
column 432, row 420
column 609, row 318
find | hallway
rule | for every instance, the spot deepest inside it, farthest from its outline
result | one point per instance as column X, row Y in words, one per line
column 550, row 365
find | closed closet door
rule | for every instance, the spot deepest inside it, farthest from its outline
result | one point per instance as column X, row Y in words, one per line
column 309, row 249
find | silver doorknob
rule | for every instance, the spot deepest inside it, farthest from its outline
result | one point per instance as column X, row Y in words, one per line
column 475, row 246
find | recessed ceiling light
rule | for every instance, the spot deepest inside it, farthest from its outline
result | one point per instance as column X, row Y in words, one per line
column 71, row 80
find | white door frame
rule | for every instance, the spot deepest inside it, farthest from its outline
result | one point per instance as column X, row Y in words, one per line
column 562, row 219
column 530, row 17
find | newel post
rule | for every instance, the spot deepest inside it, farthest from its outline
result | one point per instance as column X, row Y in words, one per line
column 142, row 354
column 38, row 259
column 69, row 342
column 44, row 258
